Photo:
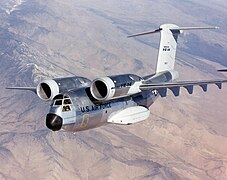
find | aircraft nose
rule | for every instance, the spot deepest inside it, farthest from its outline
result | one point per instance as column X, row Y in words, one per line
column 54, row 122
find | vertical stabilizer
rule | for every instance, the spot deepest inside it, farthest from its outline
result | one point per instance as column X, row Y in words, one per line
column 167, row 48
column 168, row 45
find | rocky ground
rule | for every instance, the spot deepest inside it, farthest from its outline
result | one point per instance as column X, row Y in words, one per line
column 184, row 138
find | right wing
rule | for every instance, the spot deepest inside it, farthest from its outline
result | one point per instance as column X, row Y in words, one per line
column 175, row 86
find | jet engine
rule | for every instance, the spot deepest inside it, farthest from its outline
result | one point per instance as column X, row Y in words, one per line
column 48, row 89
column 106, row 88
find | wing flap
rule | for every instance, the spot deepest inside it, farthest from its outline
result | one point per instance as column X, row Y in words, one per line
column 189, row 88
column 175, row 86
column 204, row 87
column 175, row 90
column 162, row 92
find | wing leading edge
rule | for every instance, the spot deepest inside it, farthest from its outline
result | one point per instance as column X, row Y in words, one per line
column 33, row 89
column 175, row 86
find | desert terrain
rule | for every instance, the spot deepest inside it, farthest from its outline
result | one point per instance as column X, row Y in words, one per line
column 184, row 138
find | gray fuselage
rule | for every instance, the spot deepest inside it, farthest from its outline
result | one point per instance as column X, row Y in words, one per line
column 77, row 110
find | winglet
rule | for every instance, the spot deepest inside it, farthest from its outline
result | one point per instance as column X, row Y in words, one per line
column 145, row 33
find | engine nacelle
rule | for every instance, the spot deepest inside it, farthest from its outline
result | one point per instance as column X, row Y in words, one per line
column 110, row 87
column 48, row 89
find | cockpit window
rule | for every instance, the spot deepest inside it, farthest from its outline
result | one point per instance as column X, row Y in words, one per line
column 67, row 101
column 59, row 96
column 62, row 100
column 58, row 102
column 66, row 108
column 66, row 96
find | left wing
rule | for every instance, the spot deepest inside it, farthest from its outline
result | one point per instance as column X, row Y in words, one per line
column 175, row 86
column 33, row 89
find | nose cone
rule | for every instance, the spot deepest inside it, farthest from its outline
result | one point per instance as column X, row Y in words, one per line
column 54, row 122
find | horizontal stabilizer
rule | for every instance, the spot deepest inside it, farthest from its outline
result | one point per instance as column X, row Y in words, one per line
column 173, row 28
column 146, row 33
column 129, row 115
column 33, row 89
column 194, row 28
column 175, row 86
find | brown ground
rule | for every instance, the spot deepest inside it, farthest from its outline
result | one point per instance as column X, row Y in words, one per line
column 184, row 138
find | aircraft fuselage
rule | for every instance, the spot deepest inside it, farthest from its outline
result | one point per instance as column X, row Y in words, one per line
column 77, row 111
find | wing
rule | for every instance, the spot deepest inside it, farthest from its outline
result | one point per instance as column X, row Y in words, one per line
column 175, row 86
column 33, row 89
column 222, row 70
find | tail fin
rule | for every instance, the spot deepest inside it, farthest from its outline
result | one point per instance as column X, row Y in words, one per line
column 168, row 44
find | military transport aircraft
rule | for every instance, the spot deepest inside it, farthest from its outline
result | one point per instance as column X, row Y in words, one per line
column 78, row 103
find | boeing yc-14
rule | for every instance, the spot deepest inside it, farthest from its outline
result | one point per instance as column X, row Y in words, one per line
column 78, row 103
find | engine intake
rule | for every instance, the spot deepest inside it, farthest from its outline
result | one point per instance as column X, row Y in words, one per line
column 47, row 90
column 102, row 88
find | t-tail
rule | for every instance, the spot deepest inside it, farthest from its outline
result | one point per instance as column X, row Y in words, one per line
column 168, row 46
